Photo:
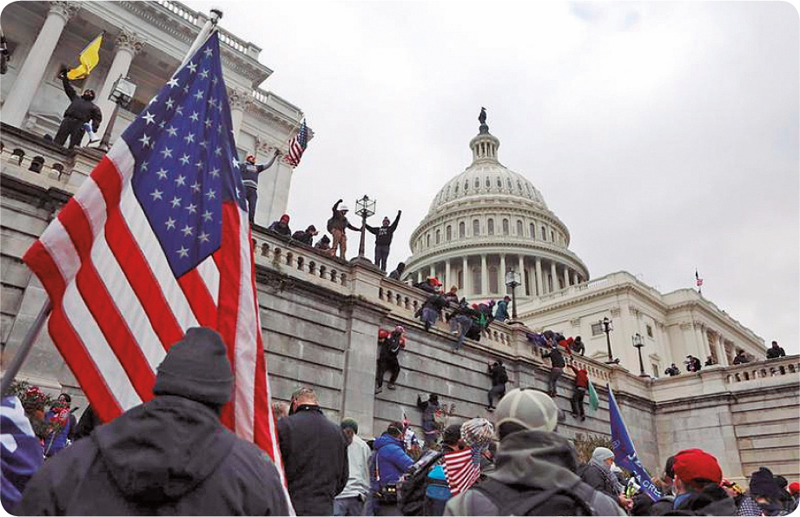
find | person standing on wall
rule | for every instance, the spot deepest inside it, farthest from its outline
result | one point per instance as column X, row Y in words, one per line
column 250, row 172
column 80, row 111
column 383, row 239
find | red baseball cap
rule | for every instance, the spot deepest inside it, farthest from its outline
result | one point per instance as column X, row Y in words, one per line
column 794, row 488
column 693, row 464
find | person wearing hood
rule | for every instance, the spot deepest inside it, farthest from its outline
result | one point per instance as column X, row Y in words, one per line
column 281, row 226
column 697, row 485
column 314, row 452
column 764, row 496
column 81, row 110
column 337, row 225
column 324, row 244
column 168, row 456
column 250, row 172
column 501, row 312
column 429, row 408
column 599, row 476
column 305, row 236
column 390, row 461
column 383, row 239
column 397, row 273
column 531, row 457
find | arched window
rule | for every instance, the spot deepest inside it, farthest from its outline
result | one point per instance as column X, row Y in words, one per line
column 449, row 233
column 499, row 182
column 438, row 236
column 490, row 227
column 456, row 189
column 466, row 185
column 448, row 191
column 505, row 227
column 533, row 231
column 428, row 240
column 493, row 280
column 476, row 227
column 508, row 184
column 552, row 236
column 519, row 186
column 477, row 183
column 462, row 230
column 488, row 182
column 519, row 227
column 544, row 234
column 476, row 280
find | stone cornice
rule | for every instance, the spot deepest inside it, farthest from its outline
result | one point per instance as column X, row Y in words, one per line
column 129, row 41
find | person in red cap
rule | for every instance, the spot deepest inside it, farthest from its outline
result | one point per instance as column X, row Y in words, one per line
column 697, row 485
column 794, row 491
column 281, row 226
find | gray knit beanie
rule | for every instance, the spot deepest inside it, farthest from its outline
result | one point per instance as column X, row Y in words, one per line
column 196, row 368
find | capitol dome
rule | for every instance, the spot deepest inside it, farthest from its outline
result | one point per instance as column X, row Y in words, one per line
column 488, row 221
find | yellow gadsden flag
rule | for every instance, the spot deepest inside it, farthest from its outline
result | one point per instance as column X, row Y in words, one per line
column 88, row 59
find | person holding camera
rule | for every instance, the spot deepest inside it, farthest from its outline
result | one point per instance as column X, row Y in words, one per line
column 82, row 110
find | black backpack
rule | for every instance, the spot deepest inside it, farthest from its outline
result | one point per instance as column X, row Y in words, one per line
column 503, row 376
column 526, row 500
column 412, row 485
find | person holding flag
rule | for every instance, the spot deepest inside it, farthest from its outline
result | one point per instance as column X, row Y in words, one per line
column 153, row 244
column 81, row 110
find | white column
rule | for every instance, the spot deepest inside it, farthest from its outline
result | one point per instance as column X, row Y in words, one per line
column 419, row 276
column 240, row 101
column 465, row 276
column 574, row 278
column 127, row 45
column 722, row 357
column 30, row 75
column 448, row 283
column 432, row 270
column 554, row 276
column 522, row 272
column 501, row 281
column 539, row 285
column 566, row 277
column 484, row 276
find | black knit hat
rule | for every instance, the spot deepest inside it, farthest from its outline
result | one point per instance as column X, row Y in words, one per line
column 762, row 483
column 196, row 368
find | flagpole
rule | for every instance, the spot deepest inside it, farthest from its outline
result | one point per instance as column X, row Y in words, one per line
column 26, row 346
column 209, row 27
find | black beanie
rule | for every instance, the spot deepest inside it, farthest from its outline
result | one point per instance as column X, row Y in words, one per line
column 762, row 483
column 196, row 368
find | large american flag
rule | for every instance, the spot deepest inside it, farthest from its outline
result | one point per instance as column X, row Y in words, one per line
column 462, row 470
column 154, row 242
column 297, row 146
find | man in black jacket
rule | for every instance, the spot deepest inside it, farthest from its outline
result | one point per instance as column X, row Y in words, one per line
column 499, row 379
column 168, row 456
column 383, row 239
column 314, row 452
column 556, row 370
column 80, row 111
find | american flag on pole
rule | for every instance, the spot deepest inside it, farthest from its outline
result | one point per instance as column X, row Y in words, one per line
column 297, row 146
column 155, row 242
column 462, row 470
column 698, row 280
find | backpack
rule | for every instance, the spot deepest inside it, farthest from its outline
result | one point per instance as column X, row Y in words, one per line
column 412, row 485
column 503, row 375
column 526, row 500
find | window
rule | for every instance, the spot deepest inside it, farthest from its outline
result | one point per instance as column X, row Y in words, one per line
column 655, row 370
column 462, row 230
column 428, row 240
column 508, row 184
column 490, row 227
column 449, row 233
column 597, row 329
column 544, row 234
column 476, row 280
column 488, row 182
column 519, row 228
column 476, row 228
column 533, row 231
column 438, row 236
column 552, row 236
column 499, row 182
column 493, row 280
column 649, row 331
column 505, row 227
column 477, row 183
column 456, row 189
column 466, row 185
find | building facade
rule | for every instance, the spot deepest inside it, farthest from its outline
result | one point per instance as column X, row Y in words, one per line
column 144, row 42
column 489, row 221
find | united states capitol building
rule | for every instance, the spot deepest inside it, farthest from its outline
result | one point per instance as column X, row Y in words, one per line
column 320, row 315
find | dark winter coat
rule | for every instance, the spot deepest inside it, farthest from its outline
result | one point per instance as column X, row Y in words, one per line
column 597, row 478
column 383, row 234
column 80, row 108
column 169, row 456
column 303, row 237
column 314, row 452
column 339, row 221
column 775, row 352
column 391, row 459
column 556, row 359
column 498, row 373
column 280, row 228
column 712, row 500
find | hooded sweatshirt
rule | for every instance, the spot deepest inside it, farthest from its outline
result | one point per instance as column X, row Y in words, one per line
column 535, row 459
column 169, row 456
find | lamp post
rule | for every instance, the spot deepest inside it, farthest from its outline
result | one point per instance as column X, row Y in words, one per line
column 638, row 342
column 512, row 282
column 365, row 207
column 122, row 95
column 607, row 328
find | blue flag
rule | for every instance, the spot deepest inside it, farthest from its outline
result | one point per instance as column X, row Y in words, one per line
column 624, row 451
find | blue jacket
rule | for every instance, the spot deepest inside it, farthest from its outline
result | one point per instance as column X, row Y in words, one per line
column 391, row 459
column 54, row 442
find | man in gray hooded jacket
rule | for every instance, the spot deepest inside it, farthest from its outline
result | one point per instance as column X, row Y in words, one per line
column 530, row 455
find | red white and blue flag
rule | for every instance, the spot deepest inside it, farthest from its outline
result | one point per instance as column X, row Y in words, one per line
column 698, row 280
column 156, row 241
column 462, row 469
column 297, row 146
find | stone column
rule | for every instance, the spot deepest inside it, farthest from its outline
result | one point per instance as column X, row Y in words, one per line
column 127, row 45
column 554, row 276
column 240, row 101
column 722, row 357
column 539, row 285
column 575, row 278
column 566, row 277
column 522, row 271
column 484, row 276
column 502, row 274
column 465, row 276
column 447, row 280
column 30, row 75
column 432, row 270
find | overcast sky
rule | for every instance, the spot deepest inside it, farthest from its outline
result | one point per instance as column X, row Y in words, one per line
column 664, row 135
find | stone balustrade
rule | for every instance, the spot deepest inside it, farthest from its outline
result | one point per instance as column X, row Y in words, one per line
column 750, row 372
column 23, row 155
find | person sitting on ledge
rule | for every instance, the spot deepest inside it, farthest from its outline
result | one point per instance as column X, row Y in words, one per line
column 673, row 370
column 305, row 236
column 281, row 226
column 741, row 358
column 775, row 351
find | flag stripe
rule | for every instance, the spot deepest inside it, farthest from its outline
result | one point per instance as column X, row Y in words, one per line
column 210, row 275
column 230, row 283
column 203, row 306
column 245, row 329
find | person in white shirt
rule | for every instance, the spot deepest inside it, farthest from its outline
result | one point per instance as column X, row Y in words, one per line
column 352, row 499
